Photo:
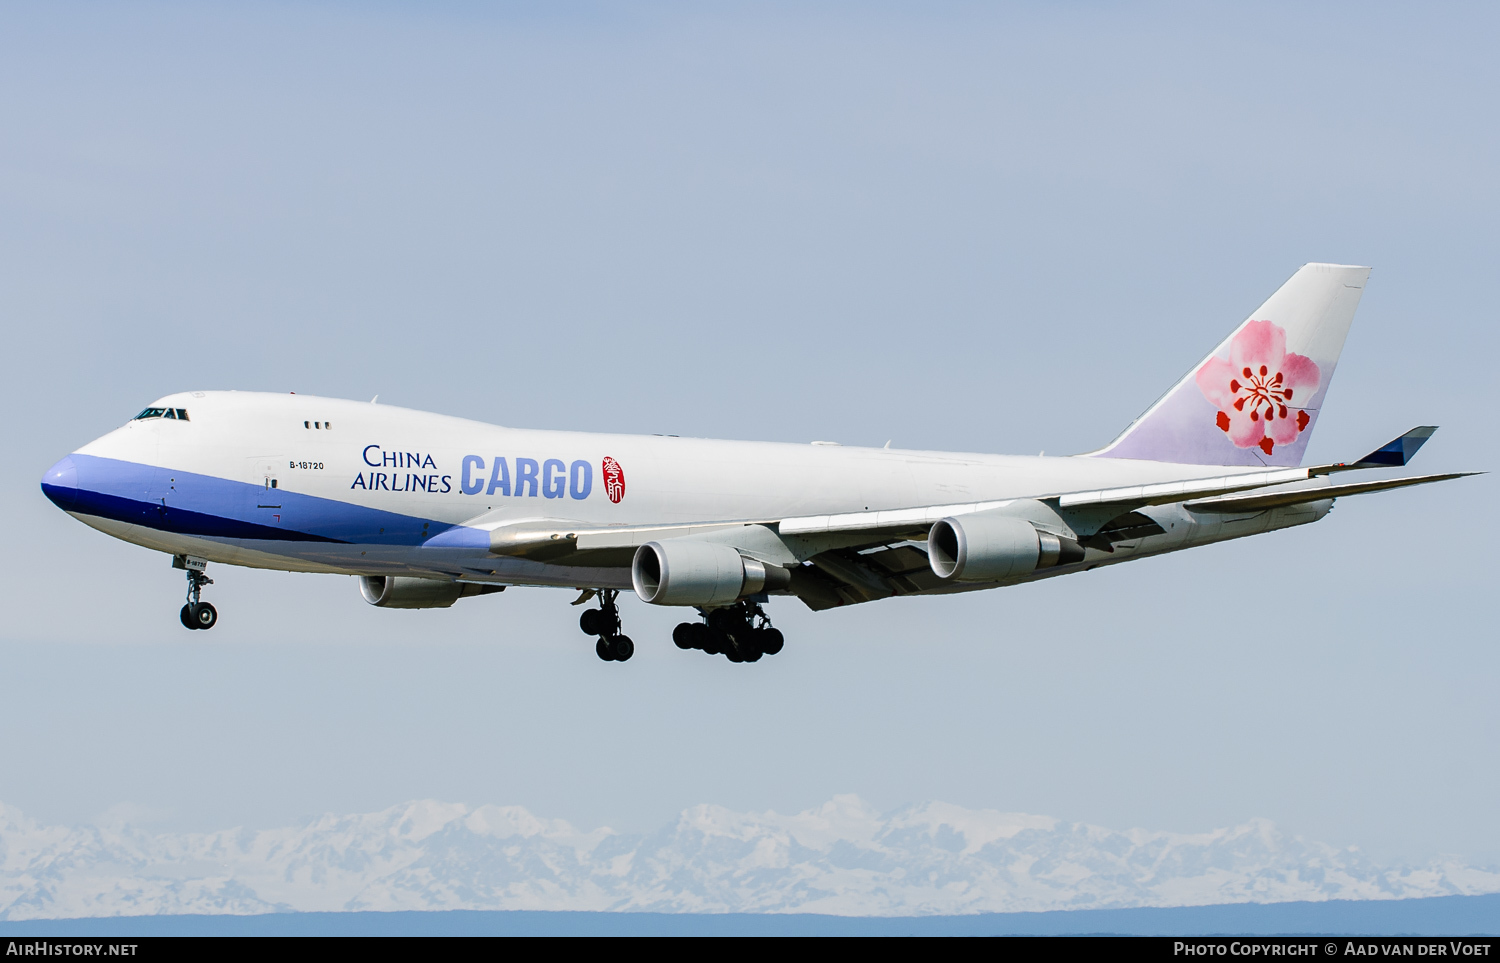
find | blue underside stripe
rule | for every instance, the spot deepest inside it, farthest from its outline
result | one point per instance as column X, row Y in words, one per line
column 185, row 503
column 179, row 521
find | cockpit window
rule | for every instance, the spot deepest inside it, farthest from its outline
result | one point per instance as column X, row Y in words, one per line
column 177, row 414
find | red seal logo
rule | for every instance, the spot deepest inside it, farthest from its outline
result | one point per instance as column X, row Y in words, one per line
column 614, row 480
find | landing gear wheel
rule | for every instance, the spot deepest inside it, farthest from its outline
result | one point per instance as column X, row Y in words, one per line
column 196, row 614
column 203, row 615
column 623, row 648
column 603, row 622
column 604, row 650
column 739, row 632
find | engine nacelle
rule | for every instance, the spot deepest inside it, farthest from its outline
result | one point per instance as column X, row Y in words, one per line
column 988, row 548
column 686, row 571
column 402, row 592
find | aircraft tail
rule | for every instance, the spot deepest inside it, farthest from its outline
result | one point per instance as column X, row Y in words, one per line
column 1255, row 399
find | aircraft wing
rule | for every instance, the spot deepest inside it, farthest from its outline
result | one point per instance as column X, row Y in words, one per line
column 1086, row 512
column 1118, row 500
column 851, row 557
column 1392, row 454
column 1093, row 509
column 1230, row 504
column 547, row 538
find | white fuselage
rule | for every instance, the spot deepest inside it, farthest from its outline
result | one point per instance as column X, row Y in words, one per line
column 369, row 489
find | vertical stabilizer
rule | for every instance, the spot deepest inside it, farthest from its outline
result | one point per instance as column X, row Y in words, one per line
column 1255, row 400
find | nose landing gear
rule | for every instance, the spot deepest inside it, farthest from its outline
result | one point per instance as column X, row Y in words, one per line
column 604, row 622
column 740, row 633
column 196, row 614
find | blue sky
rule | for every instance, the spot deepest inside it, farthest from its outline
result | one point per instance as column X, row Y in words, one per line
column 994, row 228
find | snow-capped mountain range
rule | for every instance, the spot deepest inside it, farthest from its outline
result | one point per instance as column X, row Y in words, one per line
column 843, row 857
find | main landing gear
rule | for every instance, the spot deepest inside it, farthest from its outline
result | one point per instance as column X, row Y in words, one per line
column 740, row 632
column 605, row 623
column 196, row 614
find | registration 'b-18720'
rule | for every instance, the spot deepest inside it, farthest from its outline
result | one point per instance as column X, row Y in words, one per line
column 426, row 509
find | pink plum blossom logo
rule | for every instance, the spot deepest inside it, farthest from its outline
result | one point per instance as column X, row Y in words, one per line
column 1256, row 389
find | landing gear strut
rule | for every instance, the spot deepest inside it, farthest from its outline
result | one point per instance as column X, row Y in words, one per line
column 196, row 614
column 604, row 622
column 739, row 632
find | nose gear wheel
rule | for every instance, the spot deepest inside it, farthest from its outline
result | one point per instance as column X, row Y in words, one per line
column 196, row 614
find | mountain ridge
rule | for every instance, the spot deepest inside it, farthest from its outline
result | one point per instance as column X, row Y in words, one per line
column 842, row 858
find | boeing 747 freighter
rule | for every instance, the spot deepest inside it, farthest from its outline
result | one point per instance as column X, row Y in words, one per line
column 426, row 509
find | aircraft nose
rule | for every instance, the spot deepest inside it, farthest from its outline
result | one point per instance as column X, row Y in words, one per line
column 60, row 483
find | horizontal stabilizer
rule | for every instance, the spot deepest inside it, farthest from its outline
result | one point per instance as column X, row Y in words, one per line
column 1233, row 504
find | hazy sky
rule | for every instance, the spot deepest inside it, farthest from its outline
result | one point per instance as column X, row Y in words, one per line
column 975, row 227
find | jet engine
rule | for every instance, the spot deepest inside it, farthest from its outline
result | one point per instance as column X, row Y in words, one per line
column 988, row 548
column 401, row 592
column 684, row 571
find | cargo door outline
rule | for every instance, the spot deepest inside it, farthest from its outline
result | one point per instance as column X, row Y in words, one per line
column 265, row 496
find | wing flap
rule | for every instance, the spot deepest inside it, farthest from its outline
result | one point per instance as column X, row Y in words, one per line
column 916, row 519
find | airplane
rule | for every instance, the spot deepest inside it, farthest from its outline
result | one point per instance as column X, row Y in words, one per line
column 426, row 509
